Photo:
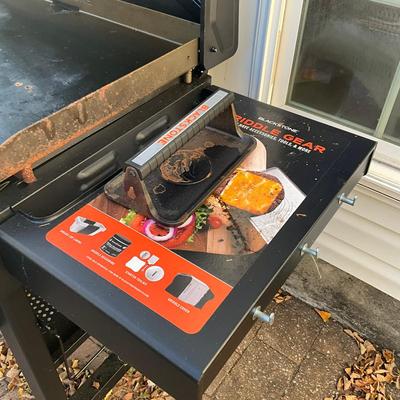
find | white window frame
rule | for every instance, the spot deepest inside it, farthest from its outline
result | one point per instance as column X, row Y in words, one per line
column 272, row 86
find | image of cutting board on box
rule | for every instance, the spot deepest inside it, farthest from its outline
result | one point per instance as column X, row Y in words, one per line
column 241, row 217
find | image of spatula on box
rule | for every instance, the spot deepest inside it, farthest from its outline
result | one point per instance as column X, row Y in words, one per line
column 171, row 177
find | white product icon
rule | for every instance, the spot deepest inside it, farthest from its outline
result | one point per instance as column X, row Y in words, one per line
column 135, row 264
column 86, row 226
column 154, row 274
column 144, row 255
column 152, row 260
column 194, row 292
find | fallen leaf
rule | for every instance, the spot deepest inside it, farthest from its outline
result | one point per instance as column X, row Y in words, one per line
column 388, row 355
column 381, row 371
column 348, row 332
column 362, row 348
column 358, row 337
column 325, row 315
column 369, row 346
column 150, row 383
column 346, row 384
column 108, row 395
column 367, row 378
column 380, row 378
column 378, row 361
column 281, row 297
column 96, row 385
column 13, row 372
column 75, row 364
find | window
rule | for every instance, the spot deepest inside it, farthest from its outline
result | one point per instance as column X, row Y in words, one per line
column 339, row 62
column 347, row 63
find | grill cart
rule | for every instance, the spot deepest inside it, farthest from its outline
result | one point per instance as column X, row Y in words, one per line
column 140, row 204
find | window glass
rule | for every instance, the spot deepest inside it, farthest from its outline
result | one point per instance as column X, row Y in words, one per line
column 346, row 63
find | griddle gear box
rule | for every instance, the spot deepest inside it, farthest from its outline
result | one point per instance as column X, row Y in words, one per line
column 103, row 82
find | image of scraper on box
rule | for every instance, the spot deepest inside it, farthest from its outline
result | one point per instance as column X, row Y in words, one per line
column 190, row 290
column 86, row 226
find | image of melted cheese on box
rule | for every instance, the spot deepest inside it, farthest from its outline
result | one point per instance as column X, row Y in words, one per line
column 251, row 192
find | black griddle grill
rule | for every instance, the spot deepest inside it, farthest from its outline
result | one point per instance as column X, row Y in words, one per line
column 87, row 85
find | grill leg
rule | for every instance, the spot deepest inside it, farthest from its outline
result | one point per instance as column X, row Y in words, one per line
column 19, row 327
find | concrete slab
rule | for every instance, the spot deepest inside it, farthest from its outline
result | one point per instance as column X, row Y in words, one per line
column 352, row 302
column 334, row 343
column 248, row 338
column 222, row 374
column 261, row 374
column 295, row 329
column 315, row 379
column 395, row 393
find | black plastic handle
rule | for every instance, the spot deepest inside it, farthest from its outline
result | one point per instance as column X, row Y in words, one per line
column 174, row 138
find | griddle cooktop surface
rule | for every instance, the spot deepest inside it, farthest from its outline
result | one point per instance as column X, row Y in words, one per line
column 51, row 57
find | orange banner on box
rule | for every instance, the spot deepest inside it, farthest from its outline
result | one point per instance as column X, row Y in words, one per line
column 174, row 288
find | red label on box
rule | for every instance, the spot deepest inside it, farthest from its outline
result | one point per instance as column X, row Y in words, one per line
column 174, row 288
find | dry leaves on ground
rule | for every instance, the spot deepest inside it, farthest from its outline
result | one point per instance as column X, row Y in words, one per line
column 325, row 315
column 132, row 386
column 368, row 377
column 135, row 386
column 71, row 385
column 11, row 373
column 281, row 297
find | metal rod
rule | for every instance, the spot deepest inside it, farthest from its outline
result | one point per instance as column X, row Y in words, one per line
column 143, row 19
column 64, row 356
column 86, row 366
